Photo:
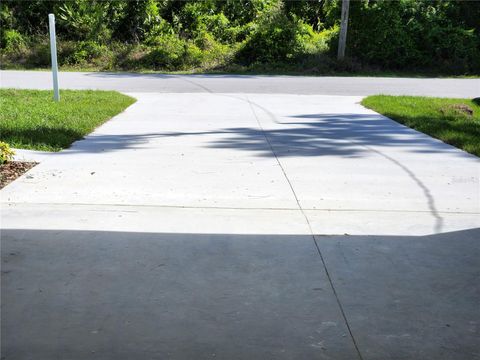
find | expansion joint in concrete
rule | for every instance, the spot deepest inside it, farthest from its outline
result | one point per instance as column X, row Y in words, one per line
column 330, row 281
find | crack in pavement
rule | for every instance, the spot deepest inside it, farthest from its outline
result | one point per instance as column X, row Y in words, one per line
column 247, row 208
column 330, row 281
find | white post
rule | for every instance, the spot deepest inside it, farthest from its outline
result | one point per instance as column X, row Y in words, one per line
column 53, row 51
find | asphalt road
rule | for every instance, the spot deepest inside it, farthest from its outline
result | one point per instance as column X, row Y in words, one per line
column 306, row 85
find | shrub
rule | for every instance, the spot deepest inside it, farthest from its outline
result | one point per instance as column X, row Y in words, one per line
column 83, row 20
column 328, row 39
column 127, row 56
column 239, row 33
column 191, row 18
column 81, row 52
column 6, row 153
column 13, row 41
column 453, row 49
column 167, row 53
column 218, row 25
column 136, row 20
column 214, row 53
column 173, row 53
column 161, row 28
column 273, row 39
column 39, row 54
column 411, row 34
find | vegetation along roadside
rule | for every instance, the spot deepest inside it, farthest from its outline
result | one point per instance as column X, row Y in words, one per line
column 262, row 36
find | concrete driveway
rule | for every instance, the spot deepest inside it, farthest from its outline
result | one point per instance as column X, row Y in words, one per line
column 244, row 226
column 290, row 157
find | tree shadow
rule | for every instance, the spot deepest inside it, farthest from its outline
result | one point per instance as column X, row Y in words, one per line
column 312, row 135
column 345, row 135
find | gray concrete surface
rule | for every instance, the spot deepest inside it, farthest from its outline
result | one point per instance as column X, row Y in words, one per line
column 167, row 296
column 120, row 295
column 409, row 297
column 183, row 229
column 31, row 155
column 132, row 82
column 344, row 167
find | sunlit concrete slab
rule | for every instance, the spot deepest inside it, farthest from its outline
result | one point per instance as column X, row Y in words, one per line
column 340, row 155
column 354, row 169
column 153, row 219
column 388, row 222
column 348, row 169
column 31, row 155
column 157, row 153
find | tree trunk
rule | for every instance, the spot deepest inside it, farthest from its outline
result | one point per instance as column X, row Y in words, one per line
column 342, row 40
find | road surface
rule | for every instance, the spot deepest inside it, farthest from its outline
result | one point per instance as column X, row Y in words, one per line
column 324, row 85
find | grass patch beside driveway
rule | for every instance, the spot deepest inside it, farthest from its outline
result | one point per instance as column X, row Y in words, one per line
column 30, row 119
column 454, row 121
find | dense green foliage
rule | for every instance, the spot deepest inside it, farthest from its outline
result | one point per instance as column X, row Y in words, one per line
column 454, row 121
column 407, row 35
column 30, row 119
column 428, row 34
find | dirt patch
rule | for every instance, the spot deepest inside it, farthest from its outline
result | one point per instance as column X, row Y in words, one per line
column 458, row 109
column 12, row 170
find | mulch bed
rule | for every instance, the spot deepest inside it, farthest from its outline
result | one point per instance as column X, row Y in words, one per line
column 12, row 170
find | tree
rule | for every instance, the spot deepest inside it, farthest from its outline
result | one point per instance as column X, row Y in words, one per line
column 342, row 40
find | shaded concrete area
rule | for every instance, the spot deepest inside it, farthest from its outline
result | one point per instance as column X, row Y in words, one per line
column 111, row 295
column 229, row 83
column 121, row 295
column 409, row 297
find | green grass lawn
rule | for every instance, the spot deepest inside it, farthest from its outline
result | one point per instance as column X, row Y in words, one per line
column 445, row 119
column 30, row 119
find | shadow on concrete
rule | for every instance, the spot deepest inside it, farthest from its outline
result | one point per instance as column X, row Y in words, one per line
column 119, row 295
column 409, row 297
column 342, row 135
column 345, row 135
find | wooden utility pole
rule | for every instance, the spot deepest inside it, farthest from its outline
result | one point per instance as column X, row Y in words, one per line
column 342, row 40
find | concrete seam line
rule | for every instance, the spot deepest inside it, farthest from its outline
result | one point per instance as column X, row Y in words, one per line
column 309, row 227
column 328, row 210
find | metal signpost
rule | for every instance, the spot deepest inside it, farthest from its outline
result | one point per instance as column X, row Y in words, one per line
column 53, row 51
